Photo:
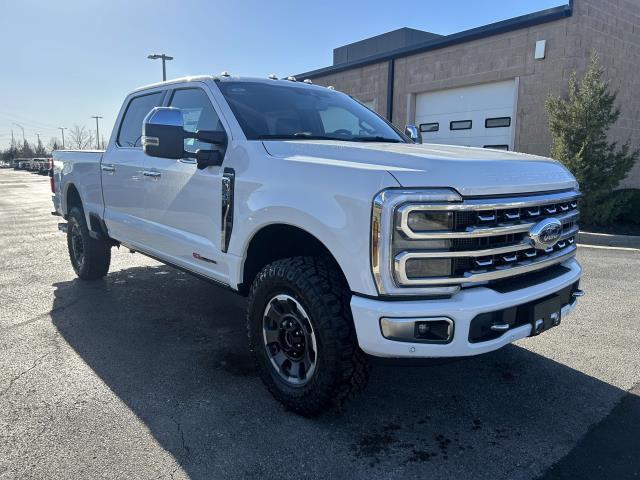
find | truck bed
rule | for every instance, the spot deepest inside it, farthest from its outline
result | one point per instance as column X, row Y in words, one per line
column 77, row 170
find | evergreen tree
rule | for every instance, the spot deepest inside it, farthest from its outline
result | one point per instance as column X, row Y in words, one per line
column 579, row 126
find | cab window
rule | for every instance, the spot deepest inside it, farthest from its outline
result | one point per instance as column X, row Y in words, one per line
column 198, row 114
column 130, row 134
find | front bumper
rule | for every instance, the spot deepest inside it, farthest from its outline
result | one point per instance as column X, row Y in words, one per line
column 462, row 308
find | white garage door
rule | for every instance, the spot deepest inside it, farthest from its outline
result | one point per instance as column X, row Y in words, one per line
column 477, row 116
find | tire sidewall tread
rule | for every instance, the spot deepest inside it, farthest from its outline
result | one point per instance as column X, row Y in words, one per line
column 342, row 370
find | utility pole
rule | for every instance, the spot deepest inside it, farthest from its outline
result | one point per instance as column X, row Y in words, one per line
column 62, row 129
column 38, row 135
column 164, row 58
column 22, row 128
column 97, row 130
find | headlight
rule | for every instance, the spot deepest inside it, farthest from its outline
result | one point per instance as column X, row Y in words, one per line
column 397, row 222
column 418, row 221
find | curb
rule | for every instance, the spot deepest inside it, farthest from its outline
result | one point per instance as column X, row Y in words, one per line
column 609, row 240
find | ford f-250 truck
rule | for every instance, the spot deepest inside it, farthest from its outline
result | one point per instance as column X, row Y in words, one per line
column 349, row 237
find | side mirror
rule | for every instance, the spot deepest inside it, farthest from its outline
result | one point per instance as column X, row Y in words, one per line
column 163, row 133
column 413, row 133
column 163, row 136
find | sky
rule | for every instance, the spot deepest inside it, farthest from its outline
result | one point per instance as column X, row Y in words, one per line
column 64, row 61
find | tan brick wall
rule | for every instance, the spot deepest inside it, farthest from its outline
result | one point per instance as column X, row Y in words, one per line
column 612, row 27
column 366, row 84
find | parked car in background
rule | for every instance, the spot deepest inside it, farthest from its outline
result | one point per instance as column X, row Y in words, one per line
column 42, row 165
column 21, row 163
column 348, row 237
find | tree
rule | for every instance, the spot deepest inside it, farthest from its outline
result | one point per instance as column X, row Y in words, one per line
column 80, row 138
column 54, row 144
column 40, row 150
column 579, row 126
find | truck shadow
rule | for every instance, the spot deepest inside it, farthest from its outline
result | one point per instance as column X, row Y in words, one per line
column 173, row 348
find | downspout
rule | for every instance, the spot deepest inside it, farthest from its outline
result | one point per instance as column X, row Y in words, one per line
column 390, row 80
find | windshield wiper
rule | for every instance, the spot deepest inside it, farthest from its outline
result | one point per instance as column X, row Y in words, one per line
column 296, row 136
column 376, row 138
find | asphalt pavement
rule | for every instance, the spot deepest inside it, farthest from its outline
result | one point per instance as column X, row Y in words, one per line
column 146, row 375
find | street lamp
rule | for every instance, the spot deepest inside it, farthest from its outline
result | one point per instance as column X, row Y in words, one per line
column 62, row 129
column 21, row 128
column 97, row 131
column 164, row 58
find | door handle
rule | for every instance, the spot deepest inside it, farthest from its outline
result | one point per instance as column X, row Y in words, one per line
column 151, row 173
column 108, row 168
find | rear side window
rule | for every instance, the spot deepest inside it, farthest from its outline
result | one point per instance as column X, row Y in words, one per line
column 130, row 133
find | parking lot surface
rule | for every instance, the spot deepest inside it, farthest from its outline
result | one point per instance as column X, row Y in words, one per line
column 146, row 374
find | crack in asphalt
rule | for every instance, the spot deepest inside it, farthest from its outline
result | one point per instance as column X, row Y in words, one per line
column 186, row 451
column 21, row 374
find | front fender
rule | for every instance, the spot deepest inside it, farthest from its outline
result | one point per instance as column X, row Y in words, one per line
column 336, row 212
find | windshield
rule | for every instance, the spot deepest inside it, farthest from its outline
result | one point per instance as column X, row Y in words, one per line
column 276, row 112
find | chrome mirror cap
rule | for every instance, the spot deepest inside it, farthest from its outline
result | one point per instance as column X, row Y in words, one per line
column 413, row 133
column 168, row 116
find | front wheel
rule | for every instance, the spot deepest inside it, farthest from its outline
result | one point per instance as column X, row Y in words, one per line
column 90, row 257
column 302, row 336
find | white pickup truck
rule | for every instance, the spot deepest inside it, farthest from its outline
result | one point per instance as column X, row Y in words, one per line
column 349, row 237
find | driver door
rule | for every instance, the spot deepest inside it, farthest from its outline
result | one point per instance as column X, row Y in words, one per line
column 182, row 202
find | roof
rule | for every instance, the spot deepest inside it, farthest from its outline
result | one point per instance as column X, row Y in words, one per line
column 386, row 42
column 516, row 23
column 226, row 78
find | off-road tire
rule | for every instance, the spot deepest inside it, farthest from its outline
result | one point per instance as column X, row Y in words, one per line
column 342, row 368
column 96, row 253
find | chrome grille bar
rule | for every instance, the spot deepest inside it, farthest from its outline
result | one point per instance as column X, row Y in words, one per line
column 475, row 231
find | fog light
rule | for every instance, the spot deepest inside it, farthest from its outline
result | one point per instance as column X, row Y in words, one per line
column 424, row 221
column 418, row 330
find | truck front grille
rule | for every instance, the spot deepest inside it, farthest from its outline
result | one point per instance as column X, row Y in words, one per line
column 489, row 239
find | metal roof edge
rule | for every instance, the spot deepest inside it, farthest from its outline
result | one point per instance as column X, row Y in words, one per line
column 503, row 26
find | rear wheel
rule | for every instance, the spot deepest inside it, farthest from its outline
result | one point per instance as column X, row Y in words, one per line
column 302, row 336
column 90, row 257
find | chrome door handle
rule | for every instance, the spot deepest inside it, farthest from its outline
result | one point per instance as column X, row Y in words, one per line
column 109, row 168
column 152, row 174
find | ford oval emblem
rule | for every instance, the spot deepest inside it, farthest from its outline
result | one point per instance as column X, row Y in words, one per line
column 546, row 233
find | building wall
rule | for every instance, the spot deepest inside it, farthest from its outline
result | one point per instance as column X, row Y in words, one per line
column 499, row 57
column 366, row 84
column 610, row 27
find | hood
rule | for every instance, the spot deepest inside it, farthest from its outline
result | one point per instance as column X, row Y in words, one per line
column 471, row 171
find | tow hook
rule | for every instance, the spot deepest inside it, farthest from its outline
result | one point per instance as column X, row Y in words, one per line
column 578, row 293
column 62, row 227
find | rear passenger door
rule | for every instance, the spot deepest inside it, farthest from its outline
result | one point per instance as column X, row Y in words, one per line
column 183, row 203
column 121, row 168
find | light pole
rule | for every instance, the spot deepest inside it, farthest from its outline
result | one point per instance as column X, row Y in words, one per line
column 38, row 135
column 164, row 58
column 62, row 129
column 97, row 131
column 21, row 128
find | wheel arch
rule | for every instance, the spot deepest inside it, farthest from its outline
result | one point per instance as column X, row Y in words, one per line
column 277, row 241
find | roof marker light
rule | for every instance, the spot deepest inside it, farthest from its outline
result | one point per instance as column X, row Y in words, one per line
column 273, row 76
column 331, row 87
column 307, row 81
column 291, row 78
column 225, row 74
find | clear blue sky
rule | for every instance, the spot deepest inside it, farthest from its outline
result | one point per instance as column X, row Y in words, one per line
column 63, row 61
